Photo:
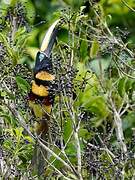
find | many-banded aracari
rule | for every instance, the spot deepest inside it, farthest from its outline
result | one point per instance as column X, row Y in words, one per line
column 40, row 99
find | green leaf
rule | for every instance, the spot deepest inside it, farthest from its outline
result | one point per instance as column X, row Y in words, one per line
column 128, row 122
column 67, row 129
column 22, row 84
column 97, row 106
column 8, row 144
column 3, row 93
column 121, row 86
column 128, row 84
column 84, row 50
column 71, row 151
column 18, row 133
column 63, row 36
column 96, row 65
column 94, row 49
column 83, row 133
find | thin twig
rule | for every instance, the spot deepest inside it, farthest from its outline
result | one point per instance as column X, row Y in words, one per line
column 78, row 148
column 57, row 170
column 124, row 2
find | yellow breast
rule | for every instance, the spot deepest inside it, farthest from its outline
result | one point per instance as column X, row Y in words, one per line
column 39, row 90
column 45, row 76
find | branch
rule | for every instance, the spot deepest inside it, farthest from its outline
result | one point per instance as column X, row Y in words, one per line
column 78, row 147
column 124, row 2
column 119, row 130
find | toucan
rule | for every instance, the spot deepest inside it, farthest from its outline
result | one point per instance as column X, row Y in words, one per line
column 40, row 98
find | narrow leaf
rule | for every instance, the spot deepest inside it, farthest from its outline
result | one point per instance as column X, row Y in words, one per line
column 94, row 49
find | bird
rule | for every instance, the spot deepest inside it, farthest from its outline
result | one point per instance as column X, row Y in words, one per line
column 40, row 98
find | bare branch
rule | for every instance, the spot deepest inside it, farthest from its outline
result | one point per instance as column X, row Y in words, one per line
column 119, row 130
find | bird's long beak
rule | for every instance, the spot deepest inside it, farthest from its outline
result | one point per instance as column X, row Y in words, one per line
column 43, row 61
column 49, row 39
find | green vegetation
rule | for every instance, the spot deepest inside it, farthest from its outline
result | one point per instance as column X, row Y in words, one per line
column 92, row 128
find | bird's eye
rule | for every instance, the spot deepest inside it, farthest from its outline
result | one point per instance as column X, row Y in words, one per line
column 41, row 57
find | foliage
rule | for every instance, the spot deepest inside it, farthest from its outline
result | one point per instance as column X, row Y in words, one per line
column 92, row 121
